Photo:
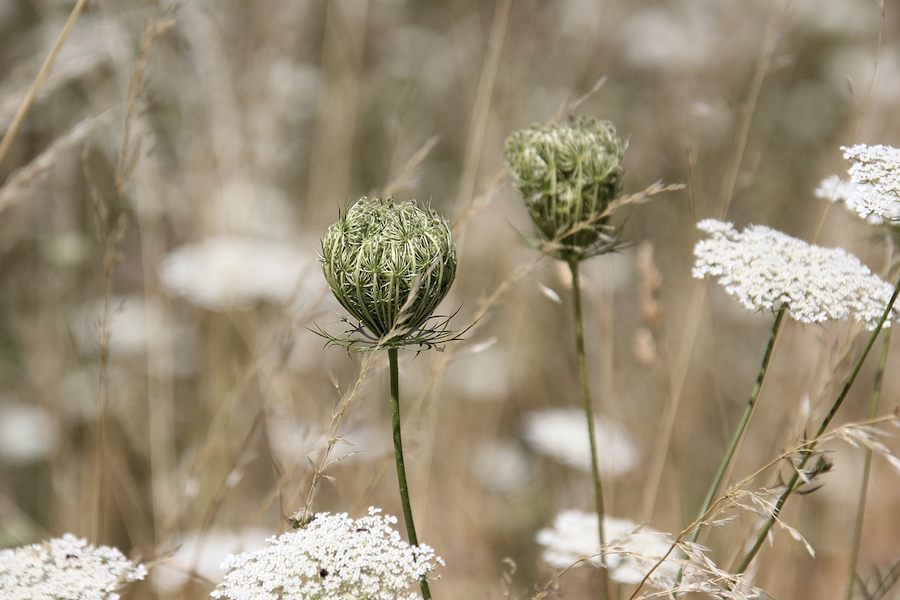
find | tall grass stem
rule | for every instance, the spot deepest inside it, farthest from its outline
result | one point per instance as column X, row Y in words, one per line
column 867, row 469
column 742, row 426
column 398, row 456
column 588, row 411
column 811, row 446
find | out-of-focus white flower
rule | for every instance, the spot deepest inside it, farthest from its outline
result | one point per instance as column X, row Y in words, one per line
column 563, row 435
column 766, row 269
column 667, row 38
column 630, row 551
column 27, row 432
column 332, row 557
column 225, row 272
column 203, row 553
column 876, row 169
column 66, row 568
column 133, row 325
column 504, row 466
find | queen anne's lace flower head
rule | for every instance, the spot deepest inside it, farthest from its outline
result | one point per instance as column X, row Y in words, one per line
column 66, row 568
column 390, row 265
column 876, row 172
column 568, row 173
column 766, row 269
column 852, row 194
column 333, row 557
column 629, row 554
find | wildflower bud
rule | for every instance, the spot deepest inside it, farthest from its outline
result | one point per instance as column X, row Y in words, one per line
column 389, row 265
column 568, row 174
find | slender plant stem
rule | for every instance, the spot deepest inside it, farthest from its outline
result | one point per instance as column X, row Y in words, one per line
column 867, row 469
column 811, row 446
column 398, row 455
column 28, row 101
column 742, row 426
column 588, row 412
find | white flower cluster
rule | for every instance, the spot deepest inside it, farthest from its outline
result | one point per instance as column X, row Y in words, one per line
column 853, row 195
column 66, row 568
column 766, row 269
column 630, row 551
column 332, row 557
column 876, row 172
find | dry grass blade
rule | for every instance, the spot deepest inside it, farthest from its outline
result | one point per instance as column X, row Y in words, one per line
column 22, row 182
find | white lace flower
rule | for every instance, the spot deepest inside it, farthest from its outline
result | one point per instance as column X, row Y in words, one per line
column 877, row 168
column 332, row 557
column 766, row 269
column 852, row 194
column 562, row 434
column 630, row 551
column 66, row 568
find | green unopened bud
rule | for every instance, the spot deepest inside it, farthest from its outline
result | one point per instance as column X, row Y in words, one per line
column 389, row 265
column 568, row 174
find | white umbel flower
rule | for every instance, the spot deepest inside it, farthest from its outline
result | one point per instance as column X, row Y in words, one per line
column 333, row 557
column 852, row 194
column 876, row 169
column 629, row 554
column 66, row 568
column 766, row 269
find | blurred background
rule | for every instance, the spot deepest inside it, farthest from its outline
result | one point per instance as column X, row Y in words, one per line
column 207, row 146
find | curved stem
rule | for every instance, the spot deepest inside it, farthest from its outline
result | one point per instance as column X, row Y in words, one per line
column 398, row 456
column 588, row 412
column 867, row 469
column 742, row 426
column 811, row 446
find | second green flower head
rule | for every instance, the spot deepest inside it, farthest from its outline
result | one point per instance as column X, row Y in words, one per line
column 568, row 174
column 390, row 265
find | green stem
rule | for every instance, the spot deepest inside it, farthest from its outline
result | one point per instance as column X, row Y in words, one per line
column 588, row 413
column 807, row 453
column 867, row 469
column 398, row 456
column 742, row 426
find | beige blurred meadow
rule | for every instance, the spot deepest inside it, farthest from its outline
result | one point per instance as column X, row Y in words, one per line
column 162, row 389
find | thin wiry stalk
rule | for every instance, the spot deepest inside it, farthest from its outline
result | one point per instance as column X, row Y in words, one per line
column 807, row 453
column 111, row 227
column 742, row 426
column 867, row 469
column 588, row 413
column 398, row 457
column 28, row 101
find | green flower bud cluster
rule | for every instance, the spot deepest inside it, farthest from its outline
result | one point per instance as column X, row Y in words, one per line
column 389, row 265
column 568, row 174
